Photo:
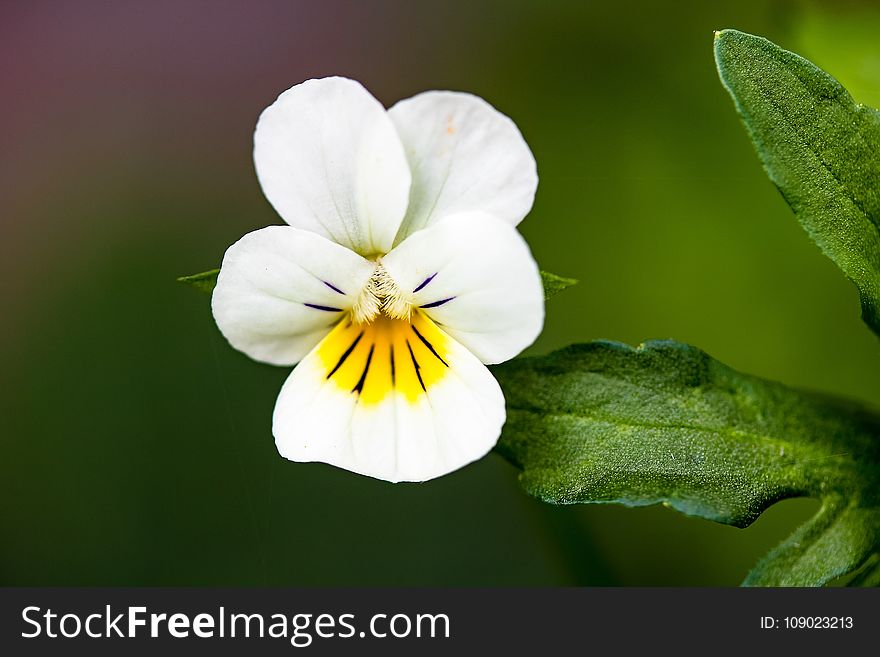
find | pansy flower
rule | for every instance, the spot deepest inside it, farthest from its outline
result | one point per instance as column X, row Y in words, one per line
column 399, row 276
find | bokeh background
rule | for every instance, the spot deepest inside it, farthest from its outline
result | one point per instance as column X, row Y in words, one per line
column 136, row 445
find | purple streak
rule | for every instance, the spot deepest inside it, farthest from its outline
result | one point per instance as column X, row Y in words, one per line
column 332, row 287
column 434, row 304
column 425, row 282
column 327, row 308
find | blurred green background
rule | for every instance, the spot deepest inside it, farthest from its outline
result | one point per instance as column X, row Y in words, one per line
column 137, row 445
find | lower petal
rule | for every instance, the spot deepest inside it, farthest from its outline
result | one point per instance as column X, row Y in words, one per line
column 395, row 400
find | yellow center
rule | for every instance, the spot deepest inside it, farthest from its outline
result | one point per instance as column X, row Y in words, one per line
column 386, row 355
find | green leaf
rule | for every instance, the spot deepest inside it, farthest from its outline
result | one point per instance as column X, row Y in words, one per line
column 840, row 538
column 554, row 284
column 869, row 574
column 666, row 423
column 820, row 148
column 206, row 281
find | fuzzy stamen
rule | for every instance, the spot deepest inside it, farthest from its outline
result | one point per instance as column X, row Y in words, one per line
column 382, row 295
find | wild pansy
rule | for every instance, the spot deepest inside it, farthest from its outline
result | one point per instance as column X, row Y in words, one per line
column 399, row 276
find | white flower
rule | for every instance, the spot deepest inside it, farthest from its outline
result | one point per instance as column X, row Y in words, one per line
column 399, row 275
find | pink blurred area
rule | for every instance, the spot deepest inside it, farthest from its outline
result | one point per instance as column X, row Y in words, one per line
column 109, row 102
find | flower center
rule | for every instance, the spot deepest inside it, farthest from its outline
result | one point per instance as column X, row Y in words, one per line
column 382, row 296
column 385, row 356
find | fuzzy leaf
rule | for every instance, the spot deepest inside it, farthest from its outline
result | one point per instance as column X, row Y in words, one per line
column 206, row 281
column 820, row 148
column 666, row 423
column 554, row 284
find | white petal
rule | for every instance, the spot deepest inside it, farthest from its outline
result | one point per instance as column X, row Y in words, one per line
column 474, row 275
column 396, row 423
column 330, row 161
column 281, row 289
column 464, row 155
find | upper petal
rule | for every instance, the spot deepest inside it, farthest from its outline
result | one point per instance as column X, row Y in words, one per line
column 394, row 400
column 474, row 275
column 330, row 161
column 464, row 155
column 281, row 289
